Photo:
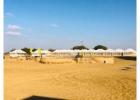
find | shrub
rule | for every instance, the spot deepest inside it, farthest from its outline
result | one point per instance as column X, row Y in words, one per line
column 79, row 47
column 100, row 47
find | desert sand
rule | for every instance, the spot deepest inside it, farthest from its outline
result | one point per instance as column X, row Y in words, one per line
column 23, row 79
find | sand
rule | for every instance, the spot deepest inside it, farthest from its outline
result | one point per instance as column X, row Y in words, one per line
column 23, row 79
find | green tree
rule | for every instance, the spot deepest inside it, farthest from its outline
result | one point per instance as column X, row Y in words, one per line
column 100, row 47
column 80, row 47
column 51, row 50
column 27, row 50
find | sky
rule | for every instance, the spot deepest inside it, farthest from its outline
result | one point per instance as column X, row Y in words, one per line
column 62, row 24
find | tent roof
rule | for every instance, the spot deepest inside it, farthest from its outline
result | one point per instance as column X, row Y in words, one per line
column 18, row 51
column 119, row 50
column 64, row 51
column 130, row 50
column 110, row 50
column 99, row 50
column 45, row 51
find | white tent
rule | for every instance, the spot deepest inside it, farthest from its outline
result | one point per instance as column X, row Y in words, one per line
column 130, row 50
column 35, row 53
column 91, row 50
column 58, row 51
column 17, row 53
column 99, row 50
column 119, row 50
column 84, row 50
column 109, row 50
column 76, row 50
column 43, row 52
column 65, row 51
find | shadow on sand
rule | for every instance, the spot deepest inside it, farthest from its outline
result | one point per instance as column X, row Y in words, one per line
column 128, row 58
column 126, row 68
column 41, row 98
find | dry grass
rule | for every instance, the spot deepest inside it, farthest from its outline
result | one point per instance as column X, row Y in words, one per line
column 23, row 79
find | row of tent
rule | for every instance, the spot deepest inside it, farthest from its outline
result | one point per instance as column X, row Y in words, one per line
column 20, row 52
column 99, row 50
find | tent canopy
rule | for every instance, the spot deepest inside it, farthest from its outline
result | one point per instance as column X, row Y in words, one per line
column 110, row 50
column 130, row 50
column 18, row 51
column 119, row 50
column 99, row 50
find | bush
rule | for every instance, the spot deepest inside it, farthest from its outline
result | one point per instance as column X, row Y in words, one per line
column 51, row 50
column 79, row 47
column 100, row 47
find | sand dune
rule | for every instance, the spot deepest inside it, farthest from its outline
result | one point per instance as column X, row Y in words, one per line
column 23, row 79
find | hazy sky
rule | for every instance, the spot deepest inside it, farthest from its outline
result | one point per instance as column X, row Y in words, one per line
column 62, row 24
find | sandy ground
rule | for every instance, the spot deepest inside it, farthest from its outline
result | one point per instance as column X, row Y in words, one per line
column 23, row 79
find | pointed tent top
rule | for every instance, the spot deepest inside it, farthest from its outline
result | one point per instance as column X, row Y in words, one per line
column 18, row 51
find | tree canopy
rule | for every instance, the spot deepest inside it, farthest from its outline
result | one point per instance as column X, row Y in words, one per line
column 100, row 47
column 79, row 47
column 27, row 50
column 52, row 50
